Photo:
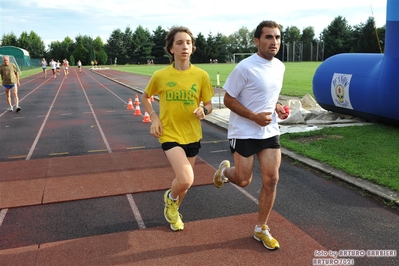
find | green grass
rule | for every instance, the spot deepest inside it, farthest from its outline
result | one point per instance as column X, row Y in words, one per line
column 297, row 80
column 27, row 73
column 368, row 152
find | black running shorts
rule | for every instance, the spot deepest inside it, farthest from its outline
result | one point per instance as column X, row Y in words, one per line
column 191, row 149
column 248, row 147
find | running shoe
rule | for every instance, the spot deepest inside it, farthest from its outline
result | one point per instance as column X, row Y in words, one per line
column 218, row 178
column 17, row 109
column 10, row 109
column 266, row 238
column 178, row 225
column 171, row 210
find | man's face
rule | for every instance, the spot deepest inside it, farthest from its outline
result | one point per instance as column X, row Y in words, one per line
column 6, row 60
column 269, row 42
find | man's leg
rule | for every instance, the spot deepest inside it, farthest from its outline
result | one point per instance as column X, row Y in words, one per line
column 241, row 173
column 16, row 99
column 269, row 161
column 8, row 99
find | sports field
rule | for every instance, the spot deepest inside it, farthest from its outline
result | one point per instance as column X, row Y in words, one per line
column 368, row 152
column 297, row 80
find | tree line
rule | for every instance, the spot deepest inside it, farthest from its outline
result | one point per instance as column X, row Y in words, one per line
column 141, row 45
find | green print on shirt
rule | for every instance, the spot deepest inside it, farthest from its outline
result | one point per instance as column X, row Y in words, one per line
column 185, row 96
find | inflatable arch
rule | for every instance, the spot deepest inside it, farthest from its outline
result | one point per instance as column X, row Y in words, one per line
column 364, row 85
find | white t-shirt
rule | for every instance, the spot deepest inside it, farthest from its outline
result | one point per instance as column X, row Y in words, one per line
column 53, row 64
column 256, row 83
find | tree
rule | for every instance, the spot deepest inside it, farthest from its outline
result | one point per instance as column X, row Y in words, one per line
column 142, row 44
column 9, row 40
column 81, row 53
column 32, row 43
column 98, row 44
column 102, row 57
column 242, row 41
column 291, row 34
column 308, row 35
column 129, row 45
column 337, row 37
column 158, row 50
column 368, row 40
column 115, row 47
column 200, row 54
column 63, row 49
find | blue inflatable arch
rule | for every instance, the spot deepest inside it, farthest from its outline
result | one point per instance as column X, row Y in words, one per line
column 364, row 85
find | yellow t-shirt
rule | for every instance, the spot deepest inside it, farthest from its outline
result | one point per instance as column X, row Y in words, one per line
column 180, row 92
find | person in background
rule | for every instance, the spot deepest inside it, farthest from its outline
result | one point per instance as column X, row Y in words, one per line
column 58, row 66
column 44, row 67
column 80, row 66
column 10, row 80
column 53, row 65
column 181, row 87
column 252, row 91
column 65, row 66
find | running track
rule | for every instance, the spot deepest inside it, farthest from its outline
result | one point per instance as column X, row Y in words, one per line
column 81, row 183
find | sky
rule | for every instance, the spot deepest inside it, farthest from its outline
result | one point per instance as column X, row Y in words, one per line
column 55, row 20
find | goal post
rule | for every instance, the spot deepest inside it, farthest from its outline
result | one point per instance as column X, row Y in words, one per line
column 12, row 60
column 237, row 57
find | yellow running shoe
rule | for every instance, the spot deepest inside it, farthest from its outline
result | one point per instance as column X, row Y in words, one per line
column 171, row 210
column 218, row 178
column 266, row 238
column 178, row 225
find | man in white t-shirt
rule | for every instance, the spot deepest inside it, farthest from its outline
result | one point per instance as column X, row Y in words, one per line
column 252, row 91
column 53, row 65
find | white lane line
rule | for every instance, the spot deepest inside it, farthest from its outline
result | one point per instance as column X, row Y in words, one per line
column 95, row 118
column 2, row 215
column 43, row 124
column 243, row 191
column 218, row 151
column 136, row 211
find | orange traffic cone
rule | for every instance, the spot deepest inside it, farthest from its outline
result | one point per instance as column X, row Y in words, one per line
column 136, row 100
column 152, row 99
column 130, row 104
column 137, row 111
column 146, row 118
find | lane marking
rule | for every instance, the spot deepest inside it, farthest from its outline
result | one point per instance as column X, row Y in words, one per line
column 44, row 122
column 214, row 141
column 218, row 151
column 58, row 153
column 136, row 211
column 17, row 157
column 3, row 213
column 135, row 148
column 243, row 191
column 97, row 150
column 67, row 114
column 20, row 117
column 95, row 118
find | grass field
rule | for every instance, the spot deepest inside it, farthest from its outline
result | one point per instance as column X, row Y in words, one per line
column 297, row 80
column 369, row 152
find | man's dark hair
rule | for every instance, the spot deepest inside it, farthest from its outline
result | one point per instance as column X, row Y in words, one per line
column 268, row 24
